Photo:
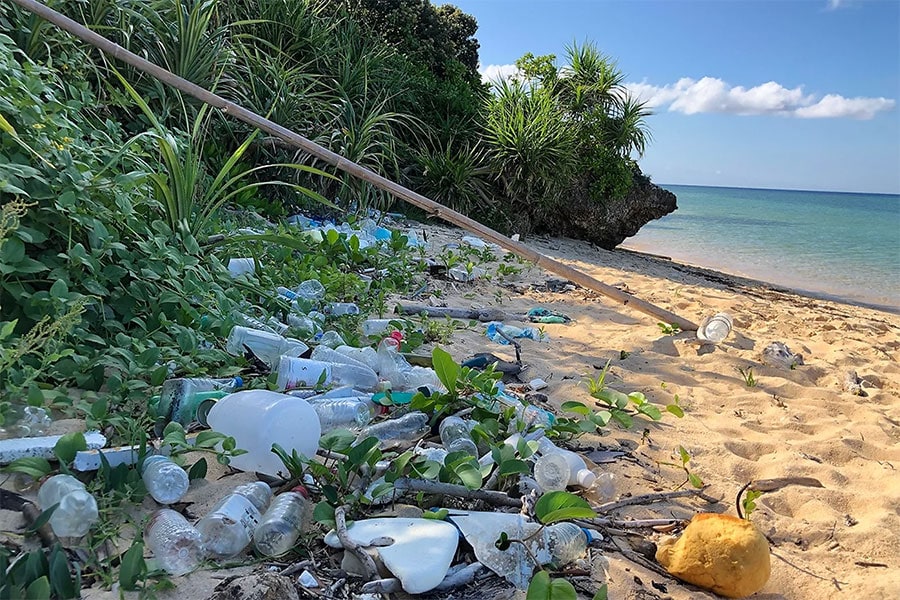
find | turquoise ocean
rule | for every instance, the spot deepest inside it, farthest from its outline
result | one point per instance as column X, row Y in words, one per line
column 843, row 246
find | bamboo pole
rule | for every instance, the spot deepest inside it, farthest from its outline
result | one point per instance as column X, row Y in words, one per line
column 339, row 162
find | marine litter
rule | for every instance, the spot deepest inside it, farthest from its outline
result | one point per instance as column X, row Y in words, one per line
column 446, row 498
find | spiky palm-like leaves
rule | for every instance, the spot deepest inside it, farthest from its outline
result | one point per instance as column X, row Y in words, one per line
column 456, row 175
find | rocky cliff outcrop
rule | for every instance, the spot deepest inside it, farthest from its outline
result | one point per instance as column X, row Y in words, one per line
column 608, row 222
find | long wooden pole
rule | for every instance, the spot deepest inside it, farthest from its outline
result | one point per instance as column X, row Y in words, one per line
column 338, row 161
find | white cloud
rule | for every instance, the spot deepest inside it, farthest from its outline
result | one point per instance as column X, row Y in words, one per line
column 836, row 4
column 712, row 95
column 493, row 73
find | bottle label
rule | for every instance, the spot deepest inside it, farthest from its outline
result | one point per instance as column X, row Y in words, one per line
column 238, row 509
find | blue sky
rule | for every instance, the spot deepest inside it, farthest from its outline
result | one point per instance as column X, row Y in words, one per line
column 801, row 94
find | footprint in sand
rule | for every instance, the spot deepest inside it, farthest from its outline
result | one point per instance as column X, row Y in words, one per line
column 750, row 450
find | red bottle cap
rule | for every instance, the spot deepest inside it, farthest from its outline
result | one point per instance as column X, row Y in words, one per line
column 302, row 491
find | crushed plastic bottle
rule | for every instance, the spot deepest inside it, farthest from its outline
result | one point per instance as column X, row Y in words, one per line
column 410, row 427
column 165, row 481
column 311, row 290
column 340, row 309
column 392, row 367
column 77, row 510
column 495, row 328
column 303, row 372
column 241, row 266
column 175, row 543
column 304, row 324
column 455, row 436
column 331, row 339
column 283, row 522
column 376, row 327
column 267, row 346
column 21, row 420
column 229, row 526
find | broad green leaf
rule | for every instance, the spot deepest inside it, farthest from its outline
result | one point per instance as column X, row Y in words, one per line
column 43, row 518
column 544, row 588
column 324, row 513
column 39, row 588
column 469, row 473
column 437, row 515
column 33, row 466
column 675, row 410
column 602, row 593
column 515, row 466
column 68, row 445
column 695, row 481
column 198, row 470
column 132, row 567
column 60, row 578
column 337, row 440
column 446, row 368
column 363, row 452
column 575, row 407
column 651, row 411
column 559, row 506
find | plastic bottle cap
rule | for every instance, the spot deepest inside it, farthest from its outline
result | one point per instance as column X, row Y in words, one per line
column 586, row 478
column 301, row 490
column 589, row 535
column 238, row 381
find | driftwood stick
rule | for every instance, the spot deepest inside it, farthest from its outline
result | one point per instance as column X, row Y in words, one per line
column 31, row 513
column 458, row 491
column 340, row 528
column 339, row 162
column 651, row 498
column 626, row 524
column 478, row 314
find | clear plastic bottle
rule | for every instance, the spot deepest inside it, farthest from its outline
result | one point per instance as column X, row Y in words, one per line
column 175, row 543
column 375, row 327
column 347, row 413
column 269, row 347
column 367, row 355
column 716, row 328
column 409, row 427
column 179, row 398
column 229, row 527
column 283, row 523
column 166, row 482
column 560, row 468
column 340, row 309
column 565, row 542
column 77, row 510
column 331, row 339
column 326, row 354
column 21, row 420
column 311, row 291
column 455, row 436
column 303, row 372
column 303, row 323
column 392, row 366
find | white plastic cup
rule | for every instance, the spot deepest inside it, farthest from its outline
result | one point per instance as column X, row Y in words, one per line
column 716, row 328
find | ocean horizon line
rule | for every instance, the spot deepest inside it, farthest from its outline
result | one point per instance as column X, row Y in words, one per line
column 767, row 189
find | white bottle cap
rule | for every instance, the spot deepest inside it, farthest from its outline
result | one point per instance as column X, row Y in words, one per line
column 585, row 478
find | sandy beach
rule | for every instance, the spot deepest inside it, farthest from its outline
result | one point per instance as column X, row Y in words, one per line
column 840, row 540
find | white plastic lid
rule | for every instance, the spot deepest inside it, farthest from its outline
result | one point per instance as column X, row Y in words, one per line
column 586, row 478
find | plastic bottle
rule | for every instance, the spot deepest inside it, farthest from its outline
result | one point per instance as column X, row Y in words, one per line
column 303, row 323
column 346, row 413
column 165, row 481
column 175, row 543
column 267, row 346
column 340, row 309
column 303, row 372
column 409, row 427
column 606, row 486
column 259, row 418
column 716, row 328
column 179, row 398
column 241, row 266
column 565, row 542
column 283, row 523
column 329, row 355
column 559, row 468
column 77, row 510
column 331, row 339
column 367, row 355
column 20, row 420
column 455, row 436
column 375, row 327
column 392, row 367
column 229, row 527
column 311, row 291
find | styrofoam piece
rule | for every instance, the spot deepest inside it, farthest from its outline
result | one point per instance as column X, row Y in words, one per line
column 420, row 555
column 42, row 446
column 89, row 460
column 537, row 384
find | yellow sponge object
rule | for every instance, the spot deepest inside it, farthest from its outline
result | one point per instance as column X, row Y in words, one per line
column 727, row 555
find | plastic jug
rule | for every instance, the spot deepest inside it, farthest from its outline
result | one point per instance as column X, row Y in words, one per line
column 259, row 418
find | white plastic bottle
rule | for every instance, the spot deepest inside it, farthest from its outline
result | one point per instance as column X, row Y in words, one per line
column 175, row 543
column 166, row 482
column 77, row 510
column 560, row 468
column 346, row 413
column 303, row 372
column 283, row 523
column 269, row 347
column 229, row 527
column 455, row 436
column 259, row 418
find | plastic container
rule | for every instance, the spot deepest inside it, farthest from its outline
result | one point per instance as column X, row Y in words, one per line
column 340, row 309
column 455, row 436
column 175, row 543
column 229, row 526
column 282, row 524
column 166, row 482
column 392, row 367
column 303, row 372
column 715, row 329
column 20, row 420
column 342, row 413
column 560, row 468
column 410, row 427
column 259, row 418
column 77, row 510
column 267, row 346
column 241, row 266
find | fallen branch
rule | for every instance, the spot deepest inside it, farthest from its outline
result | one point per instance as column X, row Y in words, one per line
column 624, row 524
column 479, row 314
column 405, row 484
column 651, row 498
column 340, row 528
column 31, row 513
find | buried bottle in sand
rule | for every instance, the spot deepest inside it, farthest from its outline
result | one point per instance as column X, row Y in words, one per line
column 725, row 554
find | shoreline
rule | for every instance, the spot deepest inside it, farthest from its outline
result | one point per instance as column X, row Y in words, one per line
column 717, row 273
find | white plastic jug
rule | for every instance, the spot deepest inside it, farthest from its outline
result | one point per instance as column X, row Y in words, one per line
column 256, row 419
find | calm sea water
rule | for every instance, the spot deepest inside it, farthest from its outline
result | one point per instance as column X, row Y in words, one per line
column 840, row 245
